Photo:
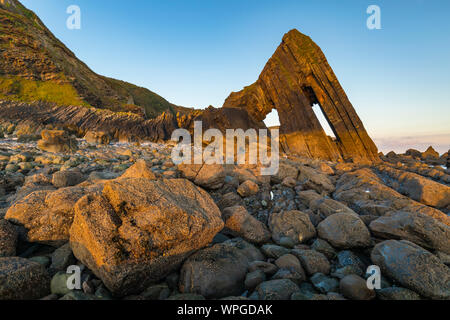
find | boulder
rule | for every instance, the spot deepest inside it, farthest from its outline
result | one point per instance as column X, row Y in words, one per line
column 47, row 214
column 247, row 189
column 97, row 137
column 139, row 170
column 8, row 239
column 430, row 154
column 68, row 178
column 281, row 289
column 294, row 224
column 122, row 234
column 314, row 179
column 312, row 261
column 413, row 267
column 240, row 223
column 418, row 228
column 218, row 271
column 344, row 231
column 21, row 279
column 57, row 141
column 209, row 176
column 355, row 288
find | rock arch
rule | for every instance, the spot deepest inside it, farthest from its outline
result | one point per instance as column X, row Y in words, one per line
column 295, row 78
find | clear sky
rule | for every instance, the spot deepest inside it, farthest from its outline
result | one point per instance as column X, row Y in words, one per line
column 195, row 52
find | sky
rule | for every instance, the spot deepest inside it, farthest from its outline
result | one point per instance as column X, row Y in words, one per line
column 195, row 52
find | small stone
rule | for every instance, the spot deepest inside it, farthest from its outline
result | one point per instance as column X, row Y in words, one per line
column 355, row 288
column 58, row 284
column 325, row 284
column 312, row 261
column 273, row 251
column 281, row 289
column 248, row 188
column 253, row 279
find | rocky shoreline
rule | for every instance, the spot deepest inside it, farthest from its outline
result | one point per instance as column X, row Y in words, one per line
column 141, row 228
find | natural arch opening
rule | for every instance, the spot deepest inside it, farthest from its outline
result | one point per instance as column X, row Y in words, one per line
column 323, row 121
column 272, row 120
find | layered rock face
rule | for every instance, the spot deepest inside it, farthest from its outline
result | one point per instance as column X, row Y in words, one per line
column 297, row 77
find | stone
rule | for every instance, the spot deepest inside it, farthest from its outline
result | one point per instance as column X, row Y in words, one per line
column 285, row 170
column 312, row 261
column 254, row 278
column 355, row 288
column 364, row 192
column 418, row 228
column 247, row 189
column 324, row 247
column 97, row 137
column 8, row 239
column 273, row 251
column 21, row 279
column 241, row 224
column 58, row 285
column 397, row 293
column 139, row 170
column 122, row 235
column 289, row 261
column 430, row 154
column 69, row 178
column 57, row 141
column 419, row 188
column 324, row 284
column 293, row 224
column 347, row 258
column 209, row 176
column 413, row 267
column 281, row 289
column 289, row 182
column 267, row 267
column 313, row 179
column 47, row 214
column 295, row 78
column 344, row 231
column 218, row 271
column 62, row 258
column 156, row 292
column 230, row 199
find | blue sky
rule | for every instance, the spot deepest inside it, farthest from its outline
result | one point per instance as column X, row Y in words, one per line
column 194, row 53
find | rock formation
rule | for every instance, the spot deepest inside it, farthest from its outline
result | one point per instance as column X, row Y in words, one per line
column 296, row 77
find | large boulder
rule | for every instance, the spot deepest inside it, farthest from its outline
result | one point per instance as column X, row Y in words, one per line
column 219, row 271
column 344, row 231
column 413, row 267
column 57, row 141
column 48, row 214
column 123, row 236
column 239, row 223
column 22, row 279
column 418, row 228
column 294, row 224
